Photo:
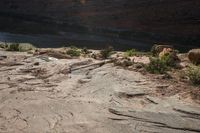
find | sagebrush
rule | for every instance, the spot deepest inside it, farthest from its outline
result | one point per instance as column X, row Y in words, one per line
column 73, row 51
column 157, row 66
column 105, row 53
column 193, row 73
column 130, row 52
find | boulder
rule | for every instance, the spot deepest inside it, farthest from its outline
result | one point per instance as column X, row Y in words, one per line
column 156, row 49
column 194, row 56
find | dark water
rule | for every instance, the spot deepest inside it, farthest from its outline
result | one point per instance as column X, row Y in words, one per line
column 80, row 40
column 68, row 39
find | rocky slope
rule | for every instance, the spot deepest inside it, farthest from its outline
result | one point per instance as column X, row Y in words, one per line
column 147, row 19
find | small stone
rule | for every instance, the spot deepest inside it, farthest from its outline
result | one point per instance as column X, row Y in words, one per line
column 36, row 64
column 131, row 94
column 82, row 81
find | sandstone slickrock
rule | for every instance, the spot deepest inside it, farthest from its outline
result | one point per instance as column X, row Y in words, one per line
column 107, row 99
column 164, row 121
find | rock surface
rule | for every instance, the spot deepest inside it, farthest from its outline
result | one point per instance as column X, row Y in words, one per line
column 49, row 98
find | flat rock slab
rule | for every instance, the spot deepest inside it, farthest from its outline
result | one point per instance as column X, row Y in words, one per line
column 130, row 94
column 153, row 99
column 188, row 110
column 160, row 120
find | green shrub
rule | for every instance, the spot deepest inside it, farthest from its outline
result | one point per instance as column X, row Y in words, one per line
column 153, row 50
column 169, row 60
column 105, row 53
column 74, row 52
column 157, row 66
column 24, row 47
column 19, row 47
column 193, row 72
column 13, row 47
column 130, row 52
column 2, row 45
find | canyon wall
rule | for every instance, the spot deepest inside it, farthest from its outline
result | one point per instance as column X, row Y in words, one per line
column 152, row 19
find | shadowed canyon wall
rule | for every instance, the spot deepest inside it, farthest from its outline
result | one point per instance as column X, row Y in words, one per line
column 159, row 20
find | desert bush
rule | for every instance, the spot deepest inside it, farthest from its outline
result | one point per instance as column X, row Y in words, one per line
column 26, row 47
column 13, row 47
column 73, row 51
column 130, row 52
column 153, row 50
column 169, row 60
column 162, row 64
column 193, row 72
column 105, row 53
column 124, row 62
column 2, row 45
column 157, row 66
column 134, row 52
column 19, row 47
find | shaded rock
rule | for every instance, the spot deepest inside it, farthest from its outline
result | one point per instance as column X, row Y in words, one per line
column 2, row 57
column 194, row 56
column 36, row 64
column 130, row 94
column 188, row 110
